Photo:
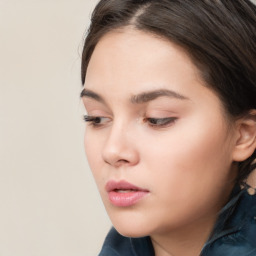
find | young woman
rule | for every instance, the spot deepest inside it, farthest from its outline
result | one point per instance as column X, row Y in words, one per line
column 170, row 95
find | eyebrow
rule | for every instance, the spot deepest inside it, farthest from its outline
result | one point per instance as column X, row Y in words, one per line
column 145, row 97
column 140, row 98
column 90, row 94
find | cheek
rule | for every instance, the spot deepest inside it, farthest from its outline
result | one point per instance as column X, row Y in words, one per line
column 93, row 148
column 195, row 142
column 189, row 162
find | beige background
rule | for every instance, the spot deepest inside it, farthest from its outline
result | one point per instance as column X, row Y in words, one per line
column 49, row 205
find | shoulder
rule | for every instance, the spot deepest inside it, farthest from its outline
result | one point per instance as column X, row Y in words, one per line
column 237, row 236
column 118, row 245
column 232, row 245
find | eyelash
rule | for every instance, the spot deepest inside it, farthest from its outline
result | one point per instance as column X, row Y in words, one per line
column 97, row 121
column 159, row 122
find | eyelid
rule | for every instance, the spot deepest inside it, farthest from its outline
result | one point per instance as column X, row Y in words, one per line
column 160, row 122
column 154, row 122
column 95, row 108
column 96, row 121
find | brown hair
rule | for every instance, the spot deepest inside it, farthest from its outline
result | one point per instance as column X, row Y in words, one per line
column 218, row 35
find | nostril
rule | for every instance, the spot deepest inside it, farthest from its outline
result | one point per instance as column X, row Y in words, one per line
column 121, row 162
column 114, row 161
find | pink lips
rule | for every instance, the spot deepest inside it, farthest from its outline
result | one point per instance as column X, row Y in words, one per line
column 124, row 194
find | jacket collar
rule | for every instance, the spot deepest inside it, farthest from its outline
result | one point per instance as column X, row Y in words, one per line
column 235, row 215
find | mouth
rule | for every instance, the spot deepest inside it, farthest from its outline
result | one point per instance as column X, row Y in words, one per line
column 124, row 194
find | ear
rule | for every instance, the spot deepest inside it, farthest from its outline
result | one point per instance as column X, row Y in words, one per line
column 245, row 143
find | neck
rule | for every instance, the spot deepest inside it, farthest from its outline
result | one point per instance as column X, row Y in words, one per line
column 186, row 242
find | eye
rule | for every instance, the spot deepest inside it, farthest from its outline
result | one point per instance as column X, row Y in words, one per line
column 96, row 121
column 160, row 122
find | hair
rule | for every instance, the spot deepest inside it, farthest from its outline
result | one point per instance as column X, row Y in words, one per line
column 218, row 35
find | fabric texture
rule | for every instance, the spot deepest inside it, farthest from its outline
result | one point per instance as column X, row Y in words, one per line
column 117, row 245
column 233, row 235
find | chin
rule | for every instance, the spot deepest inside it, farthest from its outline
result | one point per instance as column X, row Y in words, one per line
column 133, row 232
column 130, row 225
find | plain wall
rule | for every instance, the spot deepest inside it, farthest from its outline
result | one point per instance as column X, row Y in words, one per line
column 49, row 204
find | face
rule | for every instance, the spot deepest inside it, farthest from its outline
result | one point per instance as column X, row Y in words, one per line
column 157, row 139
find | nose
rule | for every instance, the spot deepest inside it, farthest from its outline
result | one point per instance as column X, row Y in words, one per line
column 120, row 147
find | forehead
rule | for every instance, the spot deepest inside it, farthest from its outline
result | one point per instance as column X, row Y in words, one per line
column 128, row 62
column 131, row 45
column 134, row 55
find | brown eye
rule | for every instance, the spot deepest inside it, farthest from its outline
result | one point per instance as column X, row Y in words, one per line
column 160, row 122
column 96, row 121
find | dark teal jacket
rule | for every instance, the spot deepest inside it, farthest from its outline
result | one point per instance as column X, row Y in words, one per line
column 234, row 233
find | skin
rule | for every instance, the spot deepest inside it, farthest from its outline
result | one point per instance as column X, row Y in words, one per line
column 186, row 164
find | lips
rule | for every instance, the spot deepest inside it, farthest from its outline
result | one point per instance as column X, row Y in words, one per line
column 124, row 194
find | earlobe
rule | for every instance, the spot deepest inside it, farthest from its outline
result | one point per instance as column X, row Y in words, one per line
column 245, row 143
